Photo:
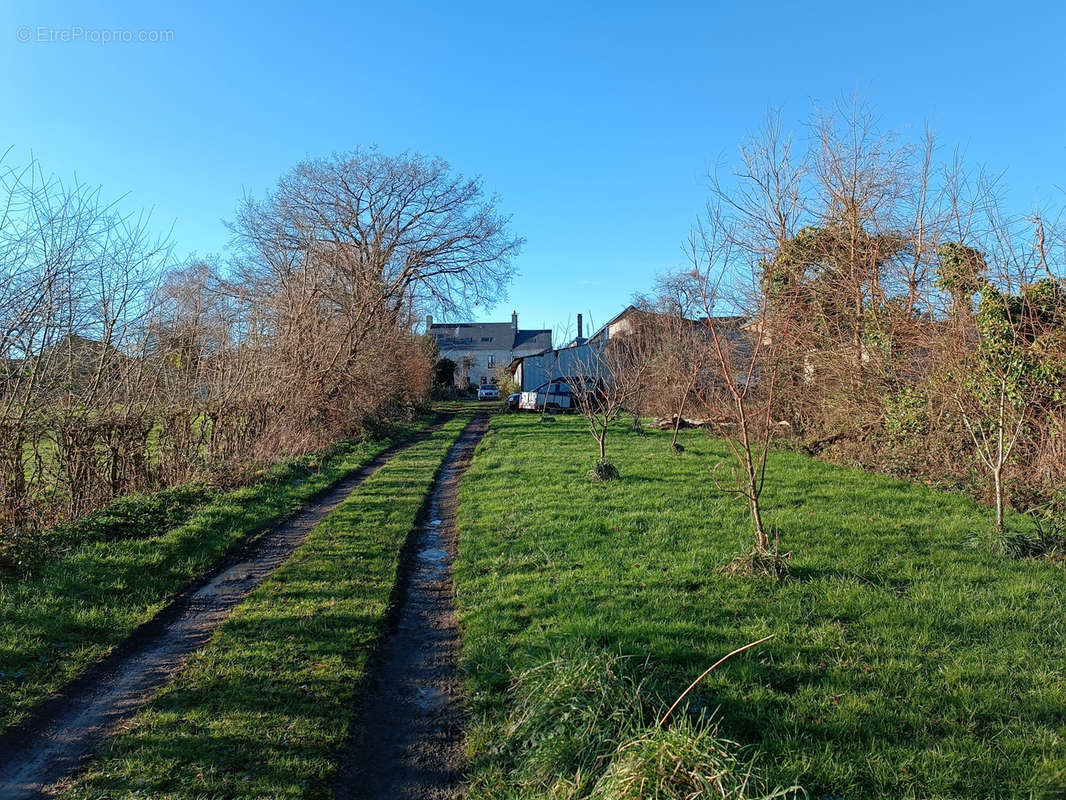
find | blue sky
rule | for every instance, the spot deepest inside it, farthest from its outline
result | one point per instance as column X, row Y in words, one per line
column 595, row 125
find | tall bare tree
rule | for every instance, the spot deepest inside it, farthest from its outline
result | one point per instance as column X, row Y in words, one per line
column 350, row 245
column 121, row 371
column 732, row 249
column 738, row 391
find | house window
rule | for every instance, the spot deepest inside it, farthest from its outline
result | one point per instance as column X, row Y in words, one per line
column 484, row 379
column 492, row 362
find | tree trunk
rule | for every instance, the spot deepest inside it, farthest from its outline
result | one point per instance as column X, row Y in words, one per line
column 997, row 472
column 997, row 482
column 677, row 422
column 762, row 541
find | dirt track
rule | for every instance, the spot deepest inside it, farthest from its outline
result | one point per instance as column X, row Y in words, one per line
column 408, row 744
column 67, row 729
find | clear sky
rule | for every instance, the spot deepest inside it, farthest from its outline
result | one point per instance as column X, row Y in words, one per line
column 594, row 123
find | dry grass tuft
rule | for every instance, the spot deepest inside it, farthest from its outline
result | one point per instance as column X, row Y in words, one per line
column 686, row 761
column 758, row 564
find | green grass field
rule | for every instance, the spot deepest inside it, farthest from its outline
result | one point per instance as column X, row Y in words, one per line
column 263, row 711
column 904, row 664
column 116, row 569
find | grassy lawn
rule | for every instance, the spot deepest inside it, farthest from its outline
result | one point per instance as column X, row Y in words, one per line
column 904, row 664
column 116, row 569
column 264, row 709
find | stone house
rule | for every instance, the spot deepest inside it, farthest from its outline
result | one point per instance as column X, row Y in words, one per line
column 481, row 349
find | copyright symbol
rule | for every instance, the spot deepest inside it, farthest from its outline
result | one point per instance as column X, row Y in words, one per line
column 24, row 33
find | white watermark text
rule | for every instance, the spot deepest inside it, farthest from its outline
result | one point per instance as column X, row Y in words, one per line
column 50, row 34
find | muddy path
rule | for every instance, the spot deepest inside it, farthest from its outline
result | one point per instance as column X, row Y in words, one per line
column 68, row 728
column 408, row 743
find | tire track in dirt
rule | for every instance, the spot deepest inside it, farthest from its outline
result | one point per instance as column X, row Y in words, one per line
column 65, row 730
column 408, row 743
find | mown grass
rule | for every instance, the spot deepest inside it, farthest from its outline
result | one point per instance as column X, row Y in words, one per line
column 264, row 709
column 904, row 663
column 114, row 570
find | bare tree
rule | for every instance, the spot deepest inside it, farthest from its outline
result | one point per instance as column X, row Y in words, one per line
column 350, row 245
column 77, row 278
column 606, row 380
column 679, row 359
column 733, row 251
column 381, row 231
column 868, row 252
column 738, row 395
column 1008, row 376
column 120, row 371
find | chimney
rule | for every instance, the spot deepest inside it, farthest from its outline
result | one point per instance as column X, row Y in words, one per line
column 579, row 327
column 514, row 321
column 429, row 322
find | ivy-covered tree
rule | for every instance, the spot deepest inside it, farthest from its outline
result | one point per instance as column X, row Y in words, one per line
column 1016, row 371
column 836, row 275
column 961, row 272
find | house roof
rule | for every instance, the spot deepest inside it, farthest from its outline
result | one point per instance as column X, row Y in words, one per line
column 489, row 336
column 603, row 328
column 555, row 351
column 725, row 322
column 529, row 342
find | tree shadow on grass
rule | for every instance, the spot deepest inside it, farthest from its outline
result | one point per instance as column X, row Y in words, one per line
column 263, row 710
column 255, row 713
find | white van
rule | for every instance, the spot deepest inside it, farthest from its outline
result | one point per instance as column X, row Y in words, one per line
column 555, row 395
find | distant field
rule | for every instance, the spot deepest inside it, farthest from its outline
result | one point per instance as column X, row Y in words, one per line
column 40, row 463
column 905, row 664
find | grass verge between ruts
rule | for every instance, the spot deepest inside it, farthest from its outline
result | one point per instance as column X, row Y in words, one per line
column 75, row 609
column 264, row 709
column 904, row 663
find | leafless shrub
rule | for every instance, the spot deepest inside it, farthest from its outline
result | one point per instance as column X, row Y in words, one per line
column 744, row 349
column 876, row 253
column 680, row 359
column 121, row 371
column 606, row 382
